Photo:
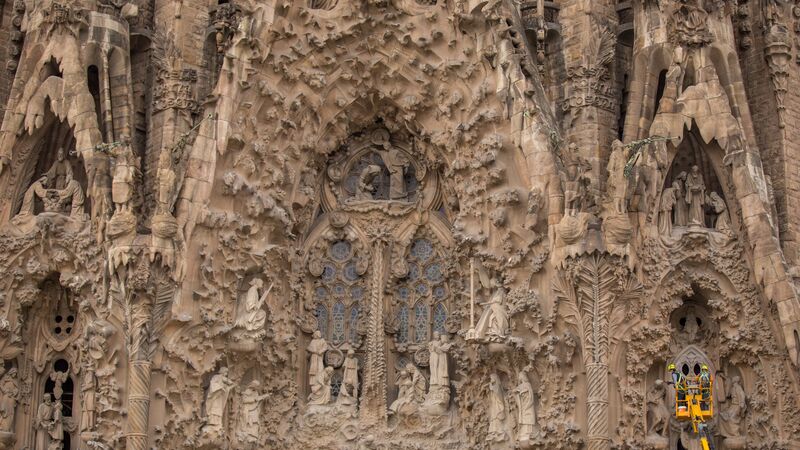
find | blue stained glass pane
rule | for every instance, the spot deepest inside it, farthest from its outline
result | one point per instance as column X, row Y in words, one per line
column 328, row 272
column 340, row 250
column 439, row 292
column 357, row 293
column 339, row 290
column 422, row 249
column 337, row 336
column 413, row 271
column 433, row 273
column 322, row 319
column 420, row 322
column 350, row 273
column 321, row 292
column 403, row 292
column 353, row 326
column 421, row 289
column 439, row 318
column 402, row 321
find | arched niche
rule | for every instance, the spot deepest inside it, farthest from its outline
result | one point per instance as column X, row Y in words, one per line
column 39, row 154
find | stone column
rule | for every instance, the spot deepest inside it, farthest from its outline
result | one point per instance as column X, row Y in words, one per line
column 139, row 314
column 597, row 405
column 373, row 398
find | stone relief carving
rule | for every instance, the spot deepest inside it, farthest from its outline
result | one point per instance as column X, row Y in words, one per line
column 335, row 203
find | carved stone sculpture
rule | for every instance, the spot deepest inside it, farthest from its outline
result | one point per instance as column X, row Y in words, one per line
column 723, row 220
column 44, row 417
column 695, row 197
column 251, row 316
column 668, row 198
column 56, row 426
column 494, row 323
column 681, row 208
column 124, row 175
column 497, row 411
column 350, row 376
column 321, row 387
column 88, row 392
column 56, row 188
column 248, row 425
column 526, row 411
column 366, row 188
column 397, row 164
column 438, row 348
column 217, row 401
column 9, row 395
column 617, row 182
column 317, row 348
column 734, row 408
column 658, row 414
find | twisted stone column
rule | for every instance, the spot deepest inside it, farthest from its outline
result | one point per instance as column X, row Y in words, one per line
column 140, row 372
column 373, row 400
column 138, row 404
column 597, row 403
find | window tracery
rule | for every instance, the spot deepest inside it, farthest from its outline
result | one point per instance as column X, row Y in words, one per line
column 423, row 292
column 338, row 292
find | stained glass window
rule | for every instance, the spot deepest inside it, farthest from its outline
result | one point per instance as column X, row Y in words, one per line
column 433, row 273
column 402, row 321
column 420, row 322
column 422, row 249
column 337, row 334
column 353, row 326
column 340, row 250
column 328, row 272
column 439, row 318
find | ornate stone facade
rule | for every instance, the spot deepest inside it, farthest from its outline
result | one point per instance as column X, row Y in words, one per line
column 398, row 224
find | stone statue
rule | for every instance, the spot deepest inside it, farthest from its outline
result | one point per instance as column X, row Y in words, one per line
column 723, row 222
column 166, row 183
column 317, row 348
column 44, row 417
column 657, row 413
column 321, row 387
column 526, row 421
column 696, row 197
column 250, row 413
column 574, row 182
column 56, row 428
column 350, row 376
column 9, row 394
column 397, row 164
column 681, row 209
column 60, row 173
column 252, row 316
column 365, row 190
column 217, row 400
column 56, row 188
column 405, row 392
column 690, row 327
column 734, row 408
column 494, row 319
column 617, row 183
column 88, row 392
column 497, row 410
column 438, row 348
column 418, row 383
column 124, row 176
column 665, row 211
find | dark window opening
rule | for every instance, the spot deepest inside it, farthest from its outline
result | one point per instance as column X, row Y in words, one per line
column 662, row 84
column 93, row 81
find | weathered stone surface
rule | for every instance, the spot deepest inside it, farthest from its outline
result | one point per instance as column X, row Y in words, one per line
column 397, row 224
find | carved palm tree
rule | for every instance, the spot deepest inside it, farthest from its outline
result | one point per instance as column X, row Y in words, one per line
column 592, row 297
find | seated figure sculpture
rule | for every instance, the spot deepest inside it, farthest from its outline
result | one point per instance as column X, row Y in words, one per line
column 56, row 188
